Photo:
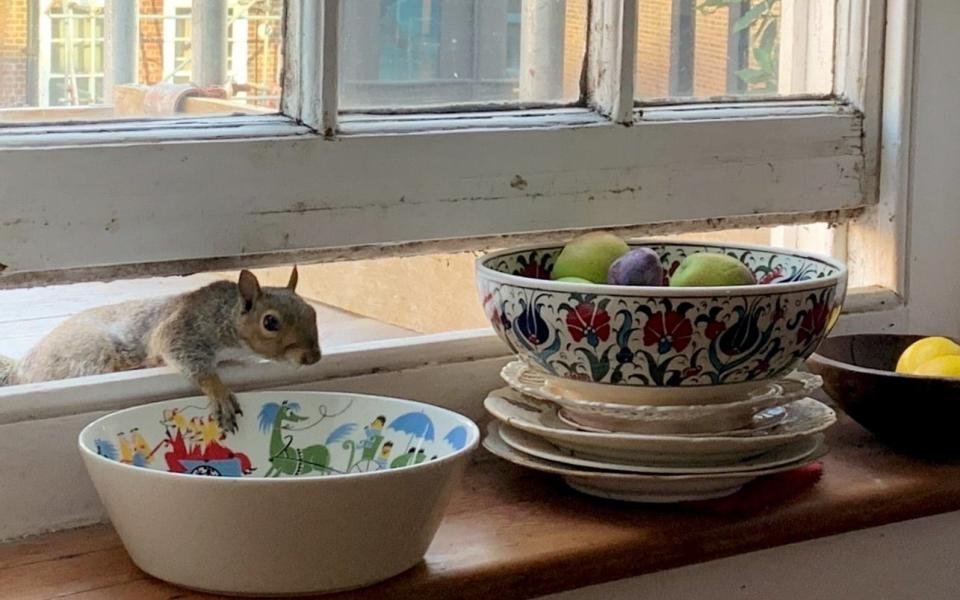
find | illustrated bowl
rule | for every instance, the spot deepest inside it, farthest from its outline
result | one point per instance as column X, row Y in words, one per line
column 663, row 345
column 317, row 492
column 909, row 412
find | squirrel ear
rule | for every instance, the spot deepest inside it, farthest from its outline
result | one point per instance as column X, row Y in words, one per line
column 249, row 289
column 292, row 284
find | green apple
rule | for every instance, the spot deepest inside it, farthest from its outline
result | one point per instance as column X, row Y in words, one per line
column 574, row 280
column 710, row 269
column 589, row 256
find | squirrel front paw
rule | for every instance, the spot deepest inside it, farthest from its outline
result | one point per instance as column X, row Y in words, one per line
column 226, row 412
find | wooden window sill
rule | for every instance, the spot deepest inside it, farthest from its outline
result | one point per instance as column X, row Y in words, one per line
column 511, row 533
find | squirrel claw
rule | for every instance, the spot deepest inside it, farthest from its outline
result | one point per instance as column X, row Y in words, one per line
column 226, row 414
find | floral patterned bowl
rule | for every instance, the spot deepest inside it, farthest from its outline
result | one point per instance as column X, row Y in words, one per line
column 663, row 345
column 316, row 492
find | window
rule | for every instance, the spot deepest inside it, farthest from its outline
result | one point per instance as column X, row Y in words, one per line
column 363, row 130
column 416, row 53
column 58, row 54
column 73, row 71
column 730, row 48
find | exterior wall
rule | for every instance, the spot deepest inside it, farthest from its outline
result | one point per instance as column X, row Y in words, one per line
column 265, row 56
column 426, row 294
column 151, row 42
column 710, row 57
column 574, row 46
column 13, row 53
column 653, row 49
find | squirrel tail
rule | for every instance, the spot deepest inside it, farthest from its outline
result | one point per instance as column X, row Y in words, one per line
column 7, row 367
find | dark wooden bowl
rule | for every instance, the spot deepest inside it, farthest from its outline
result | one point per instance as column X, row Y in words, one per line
column 920, row 414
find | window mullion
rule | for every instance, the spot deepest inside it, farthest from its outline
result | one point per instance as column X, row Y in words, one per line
column 611, row 54
column 310, row 59
column 329, row 91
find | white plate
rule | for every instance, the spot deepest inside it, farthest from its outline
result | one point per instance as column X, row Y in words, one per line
column 633, row 487
column 765, row 419
column 541, row 448
column 805, row 418
column 660, row 419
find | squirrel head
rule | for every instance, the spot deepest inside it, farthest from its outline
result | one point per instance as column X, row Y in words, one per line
column 277, row 323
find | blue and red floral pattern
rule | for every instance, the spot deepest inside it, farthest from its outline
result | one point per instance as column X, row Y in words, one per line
column 666, row 340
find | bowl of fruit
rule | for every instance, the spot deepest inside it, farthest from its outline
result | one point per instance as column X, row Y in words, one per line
column 902, row 388
column 659, row 321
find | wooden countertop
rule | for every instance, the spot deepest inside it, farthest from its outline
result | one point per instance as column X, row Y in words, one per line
column 511, row 533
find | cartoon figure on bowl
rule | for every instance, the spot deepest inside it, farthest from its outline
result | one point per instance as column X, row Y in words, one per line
column 142, row 454
column 285, row 458
column 374, row 433
column 126, row 449
column 194, row 447
column 384, row 455
column 405, row 459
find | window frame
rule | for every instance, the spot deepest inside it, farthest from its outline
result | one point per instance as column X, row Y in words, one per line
column 460, row 180
column 829, row 142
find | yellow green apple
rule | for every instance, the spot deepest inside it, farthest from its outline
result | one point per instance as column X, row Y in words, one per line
column 589, row 256
column 710, row 269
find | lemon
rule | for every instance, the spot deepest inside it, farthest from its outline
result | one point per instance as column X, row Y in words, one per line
column 925, row 350
column 944, row 366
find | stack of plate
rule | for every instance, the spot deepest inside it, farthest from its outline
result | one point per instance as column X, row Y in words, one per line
column 657, row 453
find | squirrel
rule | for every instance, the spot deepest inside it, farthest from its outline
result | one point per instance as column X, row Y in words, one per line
column 190, row 332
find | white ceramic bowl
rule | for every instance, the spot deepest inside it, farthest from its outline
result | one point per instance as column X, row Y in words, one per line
column 661, row 345
column 311, row 496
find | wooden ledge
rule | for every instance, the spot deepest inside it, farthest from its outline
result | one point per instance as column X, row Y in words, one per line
column 511, row 533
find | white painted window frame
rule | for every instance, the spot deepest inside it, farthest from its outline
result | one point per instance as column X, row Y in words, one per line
column 307, row 186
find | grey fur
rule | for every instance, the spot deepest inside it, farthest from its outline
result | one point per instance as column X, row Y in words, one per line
column 185, row 332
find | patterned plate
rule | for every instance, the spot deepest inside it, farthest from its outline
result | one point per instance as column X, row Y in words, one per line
column 635, row 487
column 541, row 448
column 765, row 419
column 805, row 418
column 686, row 419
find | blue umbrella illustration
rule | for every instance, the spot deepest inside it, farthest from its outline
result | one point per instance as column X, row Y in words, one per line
column 417, row 424
column 457, row 437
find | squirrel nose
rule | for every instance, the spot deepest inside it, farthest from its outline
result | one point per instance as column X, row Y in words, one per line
column 310, row 357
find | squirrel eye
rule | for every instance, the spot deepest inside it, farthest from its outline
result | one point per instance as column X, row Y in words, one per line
column 271, row 323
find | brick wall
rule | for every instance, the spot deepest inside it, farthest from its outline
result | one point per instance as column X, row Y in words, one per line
column 13, row 53
column 265, row 56
column 710, row 57
column 653, row 49
column 574, row 45
column 151, row 42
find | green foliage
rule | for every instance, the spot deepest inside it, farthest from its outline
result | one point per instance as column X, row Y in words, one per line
column 762, row 20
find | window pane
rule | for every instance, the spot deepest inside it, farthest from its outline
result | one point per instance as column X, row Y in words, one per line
column 53, row 53
column 711, row 48
column 418, row 53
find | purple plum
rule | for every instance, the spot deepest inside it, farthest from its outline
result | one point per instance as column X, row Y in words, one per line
column 640, row 266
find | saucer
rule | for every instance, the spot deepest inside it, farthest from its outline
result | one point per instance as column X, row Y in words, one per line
column 634, row 487
column 661, row 419
column 764, row 419
column 805, row 418
column 540, row 448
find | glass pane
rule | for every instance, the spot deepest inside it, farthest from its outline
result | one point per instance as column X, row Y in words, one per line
column 734, row 48
column 418, row 53
column 53, row 54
